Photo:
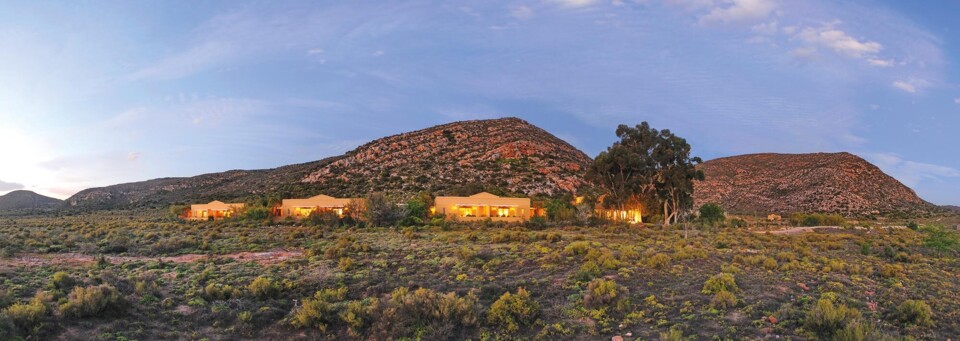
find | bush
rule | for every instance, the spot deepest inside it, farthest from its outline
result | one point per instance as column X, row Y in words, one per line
column 658, row 261
column 381, row 211
column 263, row 287
column 712, row 214
column 92, row 301
column 317, row 312
column 915, row 312
column 62, row 280
column 720, row 282
column 514, row 310
column 602, row 292
column 536, row 223
column 723, row 300
column 577, row 248
column 28, row 316
column 257, row 213
column 589, row 270
column 826, row 319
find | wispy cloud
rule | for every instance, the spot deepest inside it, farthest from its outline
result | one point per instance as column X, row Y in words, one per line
column 734, row 11
column 912, row 86
column 911, row 173
column 521, row 12
column 9, row 186
column 838, row 41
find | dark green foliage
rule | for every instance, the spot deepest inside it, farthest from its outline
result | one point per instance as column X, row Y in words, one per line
column 915, row 312
column 382, row 212
column 257, row 213
column 817, row 219
column 940, row 239
column 560, row 210
column 647, row 162
column 712, row 214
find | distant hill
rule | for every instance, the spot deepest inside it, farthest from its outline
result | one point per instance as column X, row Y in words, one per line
column 508, row 153
column 952, row 208
column 27, row 200
column 821, row 182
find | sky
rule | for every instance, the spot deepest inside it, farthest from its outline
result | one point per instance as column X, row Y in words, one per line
column 100, row 93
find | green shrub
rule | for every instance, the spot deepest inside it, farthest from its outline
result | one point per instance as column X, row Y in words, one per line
column 217, row 291
column 602, row 292
column 658, row 261
column 587, row 271
column 674, row 334
column 712, row 214
column 720, row 282
column 263, row 287
column 514, row 310
column 826, row 318
column 578, row 248
column 62, row 280
column 723, row 300
column 27, row 316
column 915, row 312
column 93, row 301
column 317, row 312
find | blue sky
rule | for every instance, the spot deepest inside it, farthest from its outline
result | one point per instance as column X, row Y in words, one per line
column 94, row 94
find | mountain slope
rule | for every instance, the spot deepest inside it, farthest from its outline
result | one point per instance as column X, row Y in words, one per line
column 821, row 182
column 508, row 152
column 227, row 185
column 25, row 200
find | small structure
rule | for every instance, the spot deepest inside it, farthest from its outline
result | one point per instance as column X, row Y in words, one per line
column 630, row 215
column 213, row 210
column 302, row 208
column 483, row 205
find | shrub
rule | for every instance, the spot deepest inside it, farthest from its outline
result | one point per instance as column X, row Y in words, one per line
column 891, row 270
column 217, row 291
column 589, row 270
column 915, row 312
column 345, row 263
column 826, row 319
column 263, row 287
column 577, row 248
column 257, row 213
column 711, row 214
column 720, row 282
column 62, row 280
column 27, row 316
column 941, row 239
column 674, row 334
column 92, row 301
column 602, row 292
column 658, row 261
column 514, row 310
column 316, row 312
column 723, row 300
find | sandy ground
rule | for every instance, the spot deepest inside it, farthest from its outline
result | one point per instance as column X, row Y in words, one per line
column 76, row 259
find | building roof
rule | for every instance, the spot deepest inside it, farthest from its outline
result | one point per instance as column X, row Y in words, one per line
column 216, row 205
column 319, row 200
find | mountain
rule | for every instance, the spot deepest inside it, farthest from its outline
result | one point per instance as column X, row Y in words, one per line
column 509, row 153
column 822, row 182
column 26, row 200
column 952, row 208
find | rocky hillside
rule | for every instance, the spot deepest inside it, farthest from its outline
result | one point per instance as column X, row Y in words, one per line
column 26, row 200
column 785, row 183
column 509, row 153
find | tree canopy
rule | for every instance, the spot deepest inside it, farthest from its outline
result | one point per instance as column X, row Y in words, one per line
column 647, row 163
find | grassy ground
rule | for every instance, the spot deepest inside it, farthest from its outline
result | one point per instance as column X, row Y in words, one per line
column 577, row 282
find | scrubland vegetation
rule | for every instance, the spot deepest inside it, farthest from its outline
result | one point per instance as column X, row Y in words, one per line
column 482, row 281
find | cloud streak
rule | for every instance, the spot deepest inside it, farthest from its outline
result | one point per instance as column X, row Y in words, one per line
column 9, row 186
